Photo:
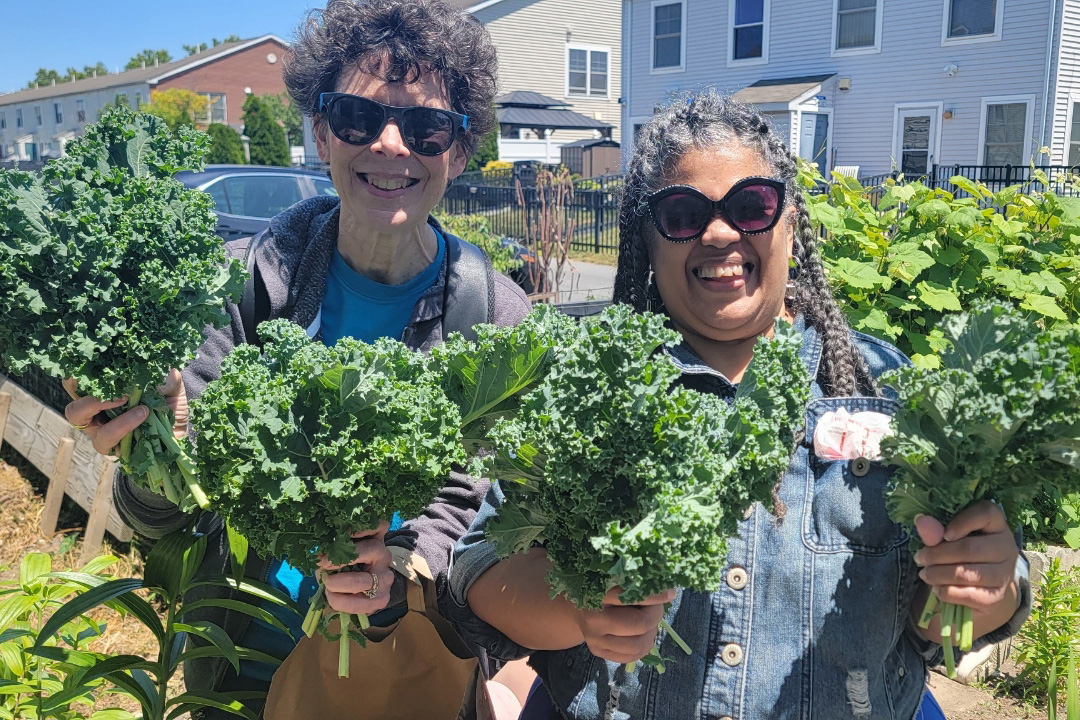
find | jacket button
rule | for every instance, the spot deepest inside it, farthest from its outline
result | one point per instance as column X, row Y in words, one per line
column 860, row 466
column 727, row 717
column 737, row 578
column 901, row 672
column 731, row 655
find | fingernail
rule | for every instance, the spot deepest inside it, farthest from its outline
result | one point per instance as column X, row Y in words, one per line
column 918, row 558
column 143, row 412
column 922, row 575
column 920, row 515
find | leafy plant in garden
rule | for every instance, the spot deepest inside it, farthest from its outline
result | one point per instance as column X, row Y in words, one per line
column 999, row 421
column 477, row 230
column 902, row 258
column 627, row 481
column 305, row 444
column 1047, row 642
column 53, row 684
column 170, row 573
column 110, row 271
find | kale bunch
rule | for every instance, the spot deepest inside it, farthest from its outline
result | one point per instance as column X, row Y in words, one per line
column 999, row 421
column 628, row 480
column 302, row 445
column 110, row 271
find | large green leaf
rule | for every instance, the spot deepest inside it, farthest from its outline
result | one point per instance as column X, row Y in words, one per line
column 239, row 606
column 193, row 699
column 238, row 552
column 1044, row 305
column 130, row 603
column 15, row 608
column 857, row 274
column 84, row 602
column 214, row 635
column 938, row 297
column 252, row 587
column 33, row 566
column 166, row 565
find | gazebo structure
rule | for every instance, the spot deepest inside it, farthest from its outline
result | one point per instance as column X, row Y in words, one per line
column 527, row 121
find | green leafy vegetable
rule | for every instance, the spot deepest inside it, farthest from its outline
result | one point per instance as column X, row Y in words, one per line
column 1000, row 421
column 110, row 271
column 305, row 444
column 628, row 481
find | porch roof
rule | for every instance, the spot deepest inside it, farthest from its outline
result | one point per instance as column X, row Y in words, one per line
column 781, row 93
column 543, row 118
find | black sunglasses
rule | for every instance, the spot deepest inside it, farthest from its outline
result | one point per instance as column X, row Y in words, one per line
column 359, row 121
column 682, row 212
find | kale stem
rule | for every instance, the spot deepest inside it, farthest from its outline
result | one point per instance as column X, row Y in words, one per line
column 631, row 666
column 948, row 614
column 183, row 461
column 967, row 627
column 675, row 636
column 343, row 646
column 928, row 611
column 314, row 613
column 125, row 443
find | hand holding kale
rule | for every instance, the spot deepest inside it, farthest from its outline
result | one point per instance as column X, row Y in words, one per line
column 999, row 422
column 109, row 273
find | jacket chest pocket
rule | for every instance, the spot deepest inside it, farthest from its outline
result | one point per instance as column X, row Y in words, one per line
column 844, row 509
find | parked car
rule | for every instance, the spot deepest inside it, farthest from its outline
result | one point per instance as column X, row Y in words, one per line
column 247, row 196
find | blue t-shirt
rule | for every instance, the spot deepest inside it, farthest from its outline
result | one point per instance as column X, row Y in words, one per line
column 359, row 307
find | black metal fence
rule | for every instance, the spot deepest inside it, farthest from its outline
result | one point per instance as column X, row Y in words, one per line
column 594, row 209
column 994, row 177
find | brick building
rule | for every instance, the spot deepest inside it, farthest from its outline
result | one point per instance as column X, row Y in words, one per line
column 35, row 124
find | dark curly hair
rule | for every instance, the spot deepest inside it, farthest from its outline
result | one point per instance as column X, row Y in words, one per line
column 709, row 119
column 399, row 40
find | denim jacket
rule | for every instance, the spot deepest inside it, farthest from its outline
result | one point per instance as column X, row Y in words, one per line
column 812, row 618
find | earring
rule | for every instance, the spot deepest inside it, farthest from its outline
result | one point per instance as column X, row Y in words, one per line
column 794, row 269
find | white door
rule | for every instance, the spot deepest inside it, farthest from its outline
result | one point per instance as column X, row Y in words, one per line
column 814, row 140
column 916, row 141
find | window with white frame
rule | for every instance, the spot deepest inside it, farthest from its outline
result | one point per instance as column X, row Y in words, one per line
column 216, row 111
column 668, row 25
column 1005, row 133
column 37, row 115
column 587, row 72
column 58, row 112
column 748, row 29
column 856, row 24
column 967, row 18
column 3, row 120
column 18, row 117
column 1074, row 136
column 80, row 110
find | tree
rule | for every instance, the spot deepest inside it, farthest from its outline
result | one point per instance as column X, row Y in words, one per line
column 288, row 115
column 147, row 58
column 225, row 145
column 192, row 49
column 266, row 138
column 44, row 77
column 486, row 151
column 178, row 106
column 48, row 77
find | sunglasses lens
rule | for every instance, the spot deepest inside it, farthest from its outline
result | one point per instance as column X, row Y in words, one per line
column 428, row 131
column 681, row 216
column 356, row 120
column 753, row 208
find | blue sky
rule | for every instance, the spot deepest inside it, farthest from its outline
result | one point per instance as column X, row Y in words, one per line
column 59, row 34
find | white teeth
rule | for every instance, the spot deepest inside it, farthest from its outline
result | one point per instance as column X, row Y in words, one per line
column 389, row 184
column 715, row 271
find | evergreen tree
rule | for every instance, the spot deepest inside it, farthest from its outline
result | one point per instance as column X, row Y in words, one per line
column 225, row 145
column 266, row 138
column 486, row 151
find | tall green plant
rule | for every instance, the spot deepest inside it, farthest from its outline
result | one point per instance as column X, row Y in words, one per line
column 477, row 230
column 54, row 682
column 266, row 138
column 902, row 258
column 170, row 573
column 1046, row 644
column 226, row 146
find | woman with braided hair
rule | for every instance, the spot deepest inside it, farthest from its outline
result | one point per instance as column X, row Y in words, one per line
column 816, row 615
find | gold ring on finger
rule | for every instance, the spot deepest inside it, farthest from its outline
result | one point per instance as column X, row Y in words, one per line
column 374, row 586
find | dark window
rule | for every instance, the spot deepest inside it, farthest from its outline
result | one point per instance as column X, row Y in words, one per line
column 587, row 72
column 972, row 17
column 325, row 187
column 749, row 30
column 260, row 196
column 667, row 36
column 58, row 112
column 1005, row 134
column 1074, row 137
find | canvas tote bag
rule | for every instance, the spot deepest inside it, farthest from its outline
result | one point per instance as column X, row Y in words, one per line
column 416, row 668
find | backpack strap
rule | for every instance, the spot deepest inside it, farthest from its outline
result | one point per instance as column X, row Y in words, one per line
column 255, row 302
column 469, row 295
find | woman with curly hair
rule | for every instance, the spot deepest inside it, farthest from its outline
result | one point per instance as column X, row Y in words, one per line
column 816, row 615
column 399, row 92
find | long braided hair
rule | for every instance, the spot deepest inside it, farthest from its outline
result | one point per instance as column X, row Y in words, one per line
column 709, row 119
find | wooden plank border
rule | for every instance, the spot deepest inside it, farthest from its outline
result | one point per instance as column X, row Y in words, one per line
column 37, row 432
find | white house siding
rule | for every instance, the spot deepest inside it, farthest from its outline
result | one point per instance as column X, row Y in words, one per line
column 909, row 69
column 49, row 133
column 532, row 37
column 1067, row 79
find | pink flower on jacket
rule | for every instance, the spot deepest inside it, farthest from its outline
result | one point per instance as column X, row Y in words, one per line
column 841, row 435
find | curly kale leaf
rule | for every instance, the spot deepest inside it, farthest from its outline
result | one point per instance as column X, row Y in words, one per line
column 305, row 444
column 628, row 481
column 999, row 421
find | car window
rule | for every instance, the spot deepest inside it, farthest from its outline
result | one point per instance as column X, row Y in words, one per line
column 325, row 187
column 221, row 202
column 260, row 196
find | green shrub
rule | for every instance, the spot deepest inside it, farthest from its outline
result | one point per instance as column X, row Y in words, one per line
column 901, row 262
column 225, row 145
column 475, row 229
column 487, row 150
column 1047, row 644
column 266, row 138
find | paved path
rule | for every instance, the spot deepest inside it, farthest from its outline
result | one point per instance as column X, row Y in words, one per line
column 583, row 281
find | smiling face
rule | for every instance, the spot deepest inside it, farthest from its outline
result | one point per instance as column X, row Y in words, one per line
column 724, row 286
column 385, row 187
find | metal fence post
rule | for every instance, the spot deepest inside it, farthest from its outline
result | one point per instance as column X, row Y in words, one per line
column 933, row 176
